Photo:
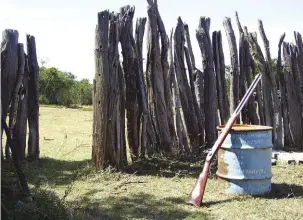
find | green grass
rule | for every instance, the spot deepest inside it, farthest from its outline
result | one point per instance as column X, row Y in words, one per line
column 157, row 188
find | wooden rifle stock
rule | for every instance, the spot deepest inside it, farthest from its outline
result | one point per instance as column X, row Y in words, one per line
column 197, row 193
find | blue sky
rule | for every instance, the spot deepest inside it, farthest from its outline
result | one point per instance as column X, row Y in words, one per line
column 65, row 29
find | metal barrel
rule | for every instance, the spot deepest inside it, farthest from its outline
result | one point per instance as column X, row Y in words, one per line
column 244, row 160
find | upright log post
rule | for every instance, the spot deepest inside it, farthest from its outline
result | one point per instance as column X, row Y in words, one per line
column 299, row 44
column 178, row 122
column 277, row 117
column 222, row 92
column 242, row 70
column 234, row 81
column 130, row 68
column 191, row 66
column 33, row 99
column 9, row 66
column 266, row 91
column 156, row 79
column 293, row 98
column 282, row 87
column 15, row 98
column 21, row 122
column 186, row 97
column 210, row 91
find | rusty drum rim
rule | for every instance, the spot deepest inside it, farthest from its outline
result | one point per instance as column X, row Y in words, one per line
column 246, row 128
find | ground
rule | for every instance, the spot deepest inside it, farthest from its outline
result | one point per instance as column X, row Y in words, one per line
column 157, row 188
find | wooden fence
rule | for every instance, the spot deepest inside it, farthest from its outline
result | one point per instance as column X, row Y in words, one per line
column 19, row 95
column 171, row 106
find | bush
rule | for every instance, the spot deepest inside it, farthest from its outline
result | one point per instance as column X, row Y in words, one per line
column 62, row 88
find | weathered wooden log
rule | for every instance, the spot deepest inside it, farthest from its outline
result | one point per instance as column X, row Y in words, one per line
column 219, row 63
column 277, row 116
column 15, row 102
column 258, row 102
column 186, row 98
column 147, row 133
column 210, row 91
column 15, row 96
column 282, row 87
column 130, row 68
column 33, row 99
column 156, row 79
column 258, row 57
column 247, row 65
column 21, row 122
column 178, row 121
column 293, row 99
column 299, row 44
column 99, row 155
column 199, row 91
column 189, row 46
column 191, row 66
column 108, row 143
column 9, row 65
column 243, row 69
column 167, row 78
column 121, row 119
column 234, row 81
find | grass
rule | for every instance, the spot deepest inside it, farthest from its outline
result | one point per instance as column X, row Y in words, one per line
column 156, row 188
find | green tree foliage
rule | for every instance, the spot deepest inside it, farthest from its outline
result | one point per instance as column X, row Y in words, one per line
column 62, row 88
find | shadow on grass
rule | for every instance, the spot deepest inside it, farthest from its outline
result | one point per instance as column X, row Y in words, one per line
column 283, row 190
column 167, row 167
column 136, row 206
column 58, row 172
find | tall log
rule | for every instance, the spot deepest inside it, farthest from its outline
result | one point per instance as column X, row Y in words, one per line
column 258, row 97
column 299, row 44
column 266, row 93
column 178, row 121
column 293, row 98
column 156, row 78
column 189, row 46
column 186, row 98
column 108, row 148
column 299, row 55
column 234, row 81
column 222, row 92
column 210, row 91
column 282, row 87
column 130, row 68
column 33, row 99
column 242, row 70
column 167, row 77
column 146, row 129
column 277, row 117
column 15, row 99
column 191, row 66
column 9, row 65
column 21, row 122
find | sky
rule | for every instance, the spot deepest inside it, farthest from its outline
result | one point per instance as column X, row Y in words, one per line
column 65, row 29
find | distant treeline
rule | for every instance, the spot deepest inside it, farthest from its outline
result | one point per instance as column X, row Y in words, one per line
column 62, row 88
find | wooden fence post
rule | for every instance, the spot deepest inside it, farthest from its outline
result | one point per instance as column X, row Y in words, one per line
column 186, row 97
column 33, row 99
column 277, row 118
column 210, row 91
column 9, row 65
column 234, row 81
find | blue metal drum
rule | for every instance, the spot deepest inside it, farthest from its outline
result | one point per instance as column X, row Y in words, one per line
column 244, row 160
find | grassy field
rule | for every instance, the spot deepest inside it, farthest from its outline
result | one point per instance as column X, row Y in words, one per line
column 153, row 189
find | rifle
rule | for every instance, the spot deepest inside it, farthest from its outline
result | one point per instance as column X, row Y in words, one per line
column 199, row 188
